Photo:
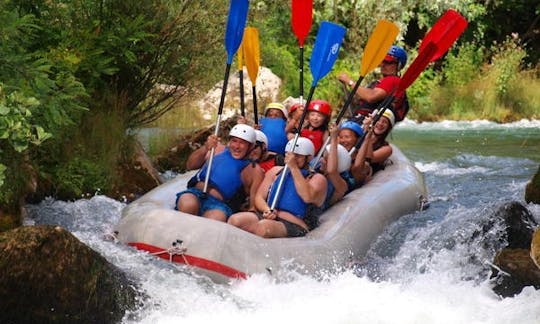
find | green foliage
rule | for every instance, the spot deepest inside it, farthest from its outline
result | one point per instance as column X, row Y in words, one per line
column 502, row 90
column 80, row 177
column 16, row 126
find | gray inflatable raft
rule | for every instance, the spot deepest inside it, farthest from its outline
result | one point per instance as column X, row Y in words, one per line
column 224, row 252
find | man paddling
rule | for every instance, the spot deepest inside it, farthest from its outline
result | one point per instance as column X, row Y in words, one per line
column 370, row 97
column 232, row 171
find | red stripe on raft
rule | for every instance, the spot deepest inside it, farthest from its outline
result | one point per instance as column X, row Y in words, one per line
column 192, row 261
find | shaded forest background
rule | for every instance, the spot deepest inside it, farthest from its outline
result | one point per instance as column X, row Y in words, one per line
column 77, row 77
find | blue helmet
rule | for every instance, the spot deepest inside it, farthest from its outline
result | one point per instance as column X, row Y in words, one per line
column 355, row 127
column 400, row 54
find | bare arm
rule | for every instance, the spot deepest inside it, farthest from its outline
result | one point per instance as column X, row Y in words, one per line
column 252, row 176
column 368, row 94
column 340, row 186
column 262, row 192
column 197, row 158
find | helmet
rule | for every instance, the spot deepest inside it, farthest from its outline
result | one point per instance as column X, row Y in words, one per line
column 303, row 146
column 390, row 115
column 276, row 105
column 321, row 106
column 294, row 107
column 344, row 159
column 355, row 127
column 245, row 132
column 400, row 54
column 261, row 137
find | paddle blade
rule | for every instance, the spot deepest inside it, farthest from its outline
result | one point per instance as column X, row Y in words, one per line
column 251, row 52
column 417, row 66
column 301, row 19
column 445, row 32
column 235, row 26
column 326, row 50
column 377, row 46
column 240, row 55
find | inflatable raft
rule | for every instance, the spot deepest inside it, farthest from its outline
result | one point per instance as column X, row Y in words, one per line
column 224, row 252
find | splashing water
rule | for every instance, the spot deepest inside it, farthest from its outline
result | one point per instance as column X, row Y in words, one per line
column 428, row 267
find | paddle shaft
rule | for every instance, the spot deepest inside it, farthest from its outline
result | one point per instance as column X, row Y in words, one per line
column 301, row 71
column 218, row 121
column 255, row 113
column 242, row 105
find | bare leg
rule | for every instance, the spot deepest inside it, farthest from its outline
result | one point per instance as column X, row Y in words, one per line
column 188, row 203
column 215, row 214
column 244, row 220
column 269, row 228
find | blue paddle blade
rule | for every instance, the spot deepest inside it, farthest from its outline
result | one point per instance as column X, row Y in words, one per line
column 326, row 50
column 236, row 23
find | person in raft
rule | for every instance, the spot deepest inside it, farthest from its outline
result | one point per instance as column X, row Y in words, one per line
column 316, row 124
column 377, row 150
column 231, row 170
column 335, row 165
column 299, row 189
column 367, row 99
column 350, row 132
column 295, row 113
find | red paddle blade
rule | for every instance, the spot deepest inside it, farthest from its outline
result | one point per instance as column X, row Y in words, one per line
column 301, row 19
column 417, row 66
column 444, row 32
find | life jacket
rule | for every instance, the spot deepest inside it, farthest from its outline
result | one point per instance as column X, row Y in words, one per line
column 271, row 161
column 400, row 105
column 274, row 129
column 225, row 175
column 316, row 136
column 289, row 200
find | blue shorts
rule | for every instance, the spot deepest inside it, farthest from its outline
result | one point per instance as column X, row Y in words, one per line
column 206, row 202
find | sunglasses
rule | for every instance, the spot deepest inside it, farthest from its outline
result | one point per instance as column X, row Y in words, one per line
column 389, row 62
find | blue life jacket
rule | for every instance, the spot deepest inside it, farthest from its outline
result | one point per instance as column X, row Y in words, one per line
column 289, row 200
column 225, row 174
column 274, row 129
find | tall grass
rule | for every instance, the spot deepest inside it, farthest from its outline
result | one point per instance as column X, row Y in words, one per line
column 479, row 83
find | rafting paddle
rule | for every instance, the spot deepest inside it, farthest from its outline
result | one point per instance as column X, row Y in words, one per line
column 324, row 55
column 437, row 41
column 444, row 32
column 301, row 20
column 377, row 46
column 233, row 37
column 252, row 57
column 240, row 55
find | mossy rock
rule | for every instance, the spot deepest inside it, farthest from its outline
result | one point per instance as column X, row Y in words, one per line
column 49, row 276
column 532, row 190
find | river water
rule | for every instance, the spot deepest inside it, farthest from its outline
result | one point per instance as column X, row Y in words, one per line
column 428, row 267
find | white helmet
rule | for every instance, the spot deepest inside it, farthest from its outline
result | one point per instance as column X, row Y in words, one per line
column 344, row 159
column 303, row 146
column 390, row 115
column 276, row 105
column 245, row 132
column 261, row 137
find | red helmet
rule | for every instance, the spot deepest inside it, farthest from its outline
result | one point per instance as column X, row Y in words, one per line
column 321, row 106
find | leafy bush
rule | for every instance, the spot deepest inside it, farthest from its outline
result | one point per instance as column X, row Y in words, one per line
column 80, row 177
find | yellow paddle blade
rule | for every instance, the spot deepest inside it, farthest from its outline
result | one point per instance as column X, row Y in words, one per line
column 251, row 52
column 378, row 44
column 240, row 54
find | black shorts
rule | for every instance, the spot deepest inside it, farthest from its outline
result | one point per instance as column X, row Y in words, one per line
column 293, row 230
